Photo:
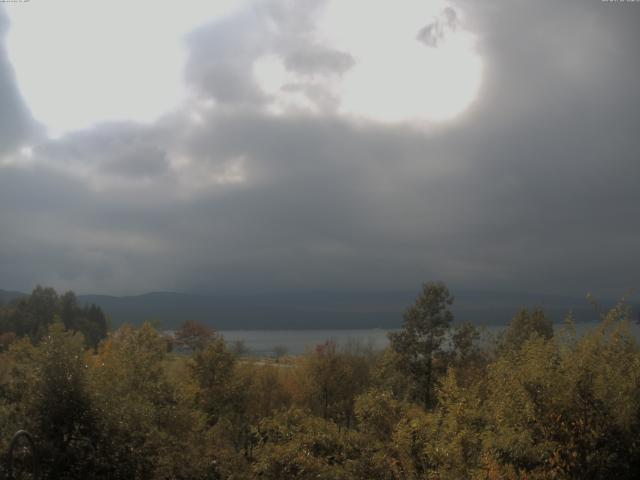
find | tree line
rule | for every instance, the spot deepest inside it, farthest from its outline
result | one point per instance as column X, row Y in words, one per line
column 34, row 314
column 443, row 401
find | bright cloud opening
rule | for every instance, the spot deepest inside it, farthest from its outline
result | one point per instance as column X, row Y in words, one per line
column 412, row 62
column 81, row 62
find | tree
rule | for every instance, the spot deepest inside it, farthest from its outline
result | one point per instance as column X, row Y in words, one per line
column 524, row 325
column 297, row 446
column 267, row 393
column 425, row 325
column 213, row 370
column 222, row 394
column 88, row 320
column 457, row 431
column 280, row 351
column 33, row 314
column 61, row 405
column 239, row 348
column 148, row 428
column 329, row 380
column 93, row 326
column 194, row 335
column 567, row 409
column 6, row 339
column 467, row 357
column 378, row 412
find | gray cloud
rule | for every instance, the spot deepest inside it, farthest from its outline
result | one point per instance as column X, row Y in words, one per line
column 120, row 149
column 319, row 60
column 435, row 32
column 534, row 188
column 221, row 57
column 222, row 53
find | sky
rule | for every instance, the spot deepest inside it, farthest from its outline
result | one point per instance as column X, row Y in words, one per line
column 320, row 145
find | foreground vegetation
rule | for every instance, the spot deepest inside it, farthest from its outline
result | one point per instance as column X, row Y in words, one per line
column 440, row 402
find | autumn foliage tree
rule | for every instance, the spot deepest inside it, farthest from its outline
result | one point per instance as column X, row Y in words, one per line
column 194, row 335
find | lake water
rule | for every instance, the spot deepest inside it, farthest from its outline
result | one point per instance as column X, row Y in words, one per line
column 296, row 342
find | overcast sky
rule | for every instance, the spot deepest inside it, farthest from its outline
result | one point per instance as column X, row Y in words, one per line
column 337, row 145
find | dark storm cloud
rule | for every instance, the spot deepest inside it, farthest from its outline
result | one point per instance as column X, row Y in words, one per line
column 535, row 188
column 553, row 149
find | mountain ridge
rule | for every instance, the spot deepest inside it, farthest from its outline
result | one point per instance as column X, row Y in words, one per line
column 320, row 310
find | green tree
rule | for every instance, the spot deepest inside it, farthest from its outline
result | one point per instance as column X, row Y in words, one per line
column 468, row 360
column 425, row 325
column 88, row 320
column 65, row 422
column 524, row 325
column 32, row 315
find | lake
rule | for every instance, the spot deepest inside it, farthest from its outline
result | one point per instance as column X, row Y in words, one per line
column 296, row 342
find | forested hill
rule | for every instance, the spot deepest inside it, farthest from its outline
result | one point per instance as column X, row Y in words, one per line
column 320, row 310
column 9, row 296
